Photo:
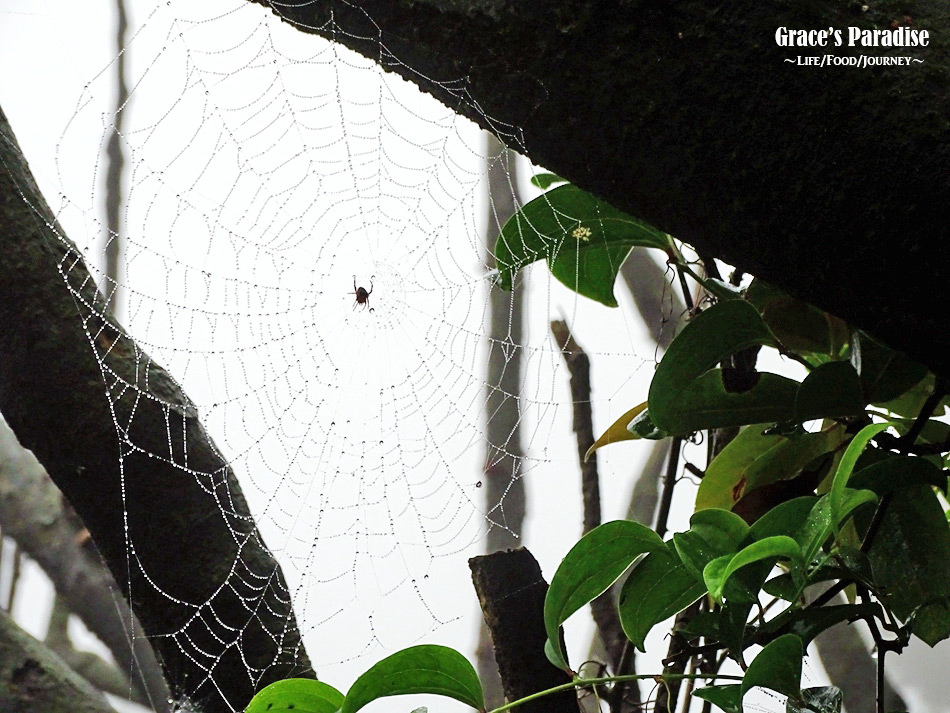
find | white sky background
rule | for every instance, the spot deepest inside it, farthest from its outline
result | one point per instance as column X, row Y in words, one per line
column 357, row 435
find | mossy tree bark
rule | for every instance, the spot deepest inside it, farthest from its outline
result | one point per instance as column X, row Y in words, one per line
column 831, row 182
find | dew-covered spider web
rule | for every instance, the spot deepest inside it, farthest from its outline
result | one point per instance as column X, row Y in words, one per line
column 271, row 176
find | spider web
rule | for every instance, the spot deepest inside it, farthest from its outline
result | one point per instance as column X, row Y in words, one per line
column 269, row 173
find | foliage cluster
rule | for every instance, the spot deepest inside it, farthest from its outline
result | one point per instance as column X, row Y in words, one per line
column 837, row 480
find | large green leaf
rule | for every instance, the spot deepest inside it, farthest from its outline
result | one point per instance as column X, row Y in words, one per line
column 584, row 240
column 708, row 404
column 753, row 459
column 418, row 669
column 777, row 667
column 684, row 397
column 592, row 565
column 657, row 588
column 910, row 558
column 831, row 390
column 807, row 623
column 718, row 571
column 300, row 695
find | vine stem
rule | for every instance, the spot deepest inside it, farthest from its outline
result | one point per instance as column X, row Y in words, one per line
column 585, row 682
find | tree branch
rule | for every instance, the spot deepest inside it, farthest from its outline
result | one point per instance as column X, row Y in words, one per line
column 126, row 447
column 688, row 116
column 511, row 592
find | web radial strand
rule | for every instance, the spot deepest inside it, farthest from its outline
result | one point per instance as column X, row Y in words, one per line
column 270, row 172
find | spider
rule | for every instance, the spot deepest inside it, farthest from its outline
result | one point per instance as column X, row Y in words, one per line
column 362, row 296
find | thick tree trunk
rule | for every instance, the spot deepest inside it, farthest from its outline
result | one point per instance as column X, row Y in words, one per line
column 126, row 447
column 831, row 182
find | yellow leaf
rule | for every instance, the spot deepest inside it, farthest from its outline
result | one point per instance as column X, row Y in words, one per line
column 618, row 431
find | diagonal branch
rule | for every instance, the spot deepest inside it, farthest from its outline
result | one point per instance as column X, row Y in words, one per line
column 126, row 447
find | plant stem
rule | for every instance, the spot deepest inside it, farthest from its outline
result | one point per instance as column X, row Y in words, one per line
column 669, row 480
column 587, row 682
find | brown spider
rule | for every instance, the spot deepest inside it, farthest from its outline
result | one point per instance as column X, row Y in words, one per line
column 362, row 296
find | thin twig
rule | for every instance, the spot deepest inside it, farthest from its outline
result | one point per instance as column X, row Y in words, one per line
column 578, row 363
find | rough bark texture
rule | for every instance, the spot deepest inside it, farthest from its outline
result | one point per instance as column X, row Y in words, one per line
column 830, row 182
column 511, row 593
column 32, row 513
column 125, row 446
column 34, row 680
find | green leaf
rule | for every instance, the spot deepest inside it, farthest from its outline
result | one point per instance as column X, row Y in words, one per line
column 722, row 529
column 712, row 533
column 753, row 459
column 911, row 401
column 707, row 404
column 546, row 180
column 822, row 521
column 885, row 373
column 584, row 240
column 618, row 431
column 592, row 565
column 910, row 558
column 823, row 699
column 899, row 471
column 727, row 698
column 846, row 466
column 784, row 519
column 800, row 326
column 778, row 667
column 300, row 695
column 418, row 669
column 831, row 390
column 590, row 271
column 657, row 588
column 684, row 397
column 717, row 573
column 807, row 623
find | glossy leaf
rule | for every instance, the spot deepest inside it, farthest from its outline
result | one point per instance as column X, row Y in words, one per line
column 717, row 573
column 910, row 558
column 618, row 431
column 590, row 270
column 657, row 588
column 300, row 695
column 592, row 565
column 831, row 390
column 707, row 404
column 753, row 459
column 846, row 466
column 686, row 396
column 777, row 667
column 822, row 522
column 713, row 533
column 807, row 623
column 584, row 240
column 784, row 519
column 418, row 669
column 546, row 180
column 727, row 698
column 822, row 699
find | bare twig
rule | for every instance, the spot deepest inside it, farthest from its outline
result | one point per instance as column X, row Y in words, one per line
column 603, row 607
